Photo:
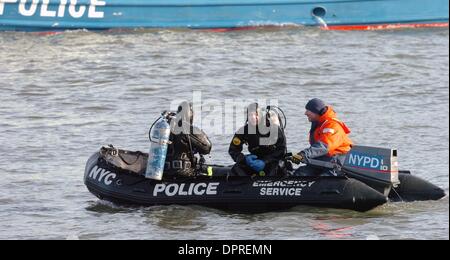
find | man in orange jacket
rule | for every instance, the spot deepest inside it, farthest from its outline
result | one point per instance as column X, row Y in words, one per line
column 328, row 138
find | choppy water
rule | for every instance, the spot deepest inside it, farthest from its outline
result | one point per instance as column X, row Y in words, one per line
column 64, row 96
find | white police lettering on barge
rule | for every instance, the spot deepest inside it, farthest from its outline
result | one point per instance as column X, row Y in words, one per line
column 282, row 188
column 58, row 8
column 183, row 189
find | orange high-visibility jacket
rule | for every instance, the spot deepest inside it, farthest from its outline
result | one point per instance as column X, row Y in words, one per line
column 333, row 133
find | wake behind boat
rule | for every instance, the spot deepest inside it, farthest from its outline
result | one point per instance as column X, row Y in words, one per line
column 59, row 15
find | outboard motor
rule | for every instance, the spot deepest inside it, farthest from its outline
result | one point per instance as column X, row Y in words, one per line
column 377, row 167
column 159, row 137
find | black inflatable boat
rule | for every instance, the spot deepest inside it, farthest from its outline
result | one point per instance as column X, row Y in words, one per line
column 127, row 185
column 118, row 176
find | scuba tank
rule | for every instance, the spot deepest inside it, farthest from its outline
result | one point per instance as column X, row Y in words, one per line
column 159, row 135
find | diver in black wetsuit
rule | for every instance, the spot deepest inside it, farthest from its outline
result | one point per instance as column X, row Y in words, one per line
column 186, row 141
column 266, row 143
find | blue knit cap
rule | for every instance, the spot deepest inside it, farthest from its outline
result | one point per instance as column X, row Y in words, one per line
column 316, row 106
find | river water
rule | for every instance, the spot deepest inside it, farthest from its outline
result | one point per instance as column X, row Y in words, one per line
column 63, row 96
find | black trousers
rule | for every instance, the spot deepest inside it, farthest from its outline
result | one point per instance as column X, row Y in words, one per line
column 310, row 170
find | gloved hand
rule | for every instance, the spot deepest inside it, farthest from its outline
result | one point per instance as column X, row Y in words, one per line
column 250, row 158
column 299, row 158
column 258, row 165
